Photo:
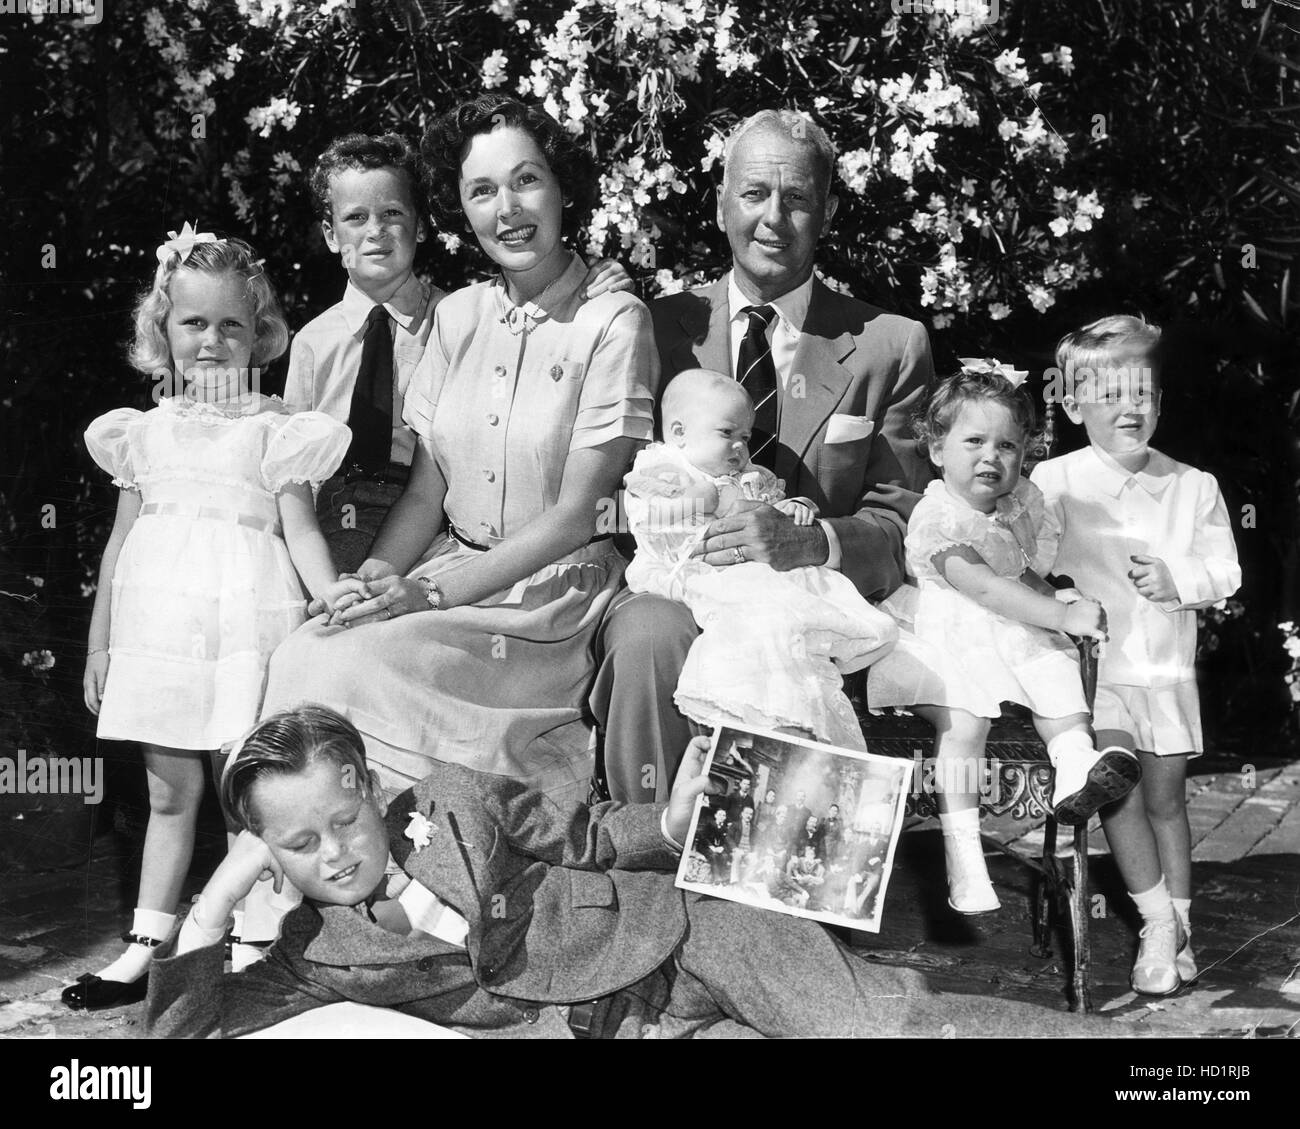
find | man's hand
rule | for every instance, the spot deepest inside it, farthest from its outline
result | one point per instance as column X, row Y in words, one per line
column 1152, row 578
column 762, row 533
column 690, row 784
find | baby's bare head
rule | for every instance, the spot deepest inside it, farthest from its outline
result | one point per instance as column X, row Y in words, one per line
column 695, row 390
column 709, row 417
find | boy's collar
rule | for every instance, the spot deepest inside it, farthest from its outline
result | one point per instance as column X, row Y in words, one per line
column 1153, row 478
column 405, row 305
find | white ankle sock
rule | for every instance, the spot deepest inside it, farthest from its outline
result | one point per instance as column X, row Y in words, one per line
column 1183, row 908
column 964, row 822
column 1072, row 754
column 134, row 963
column 1154, row 904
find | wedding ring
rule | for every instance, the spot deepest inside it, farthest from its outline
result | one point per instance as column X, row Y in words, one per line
column 389, row 609
column 739, row 550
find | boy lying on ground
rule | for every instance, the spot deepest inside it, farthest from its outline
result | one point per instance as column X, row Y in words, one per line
column 512, row 916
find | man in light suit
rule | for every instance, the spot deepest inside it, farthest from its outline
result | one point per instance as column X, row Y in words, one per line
column 835, row 382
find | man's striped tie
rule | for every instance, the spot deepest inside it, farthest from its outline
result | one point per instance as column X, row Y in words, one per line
column 757, row 372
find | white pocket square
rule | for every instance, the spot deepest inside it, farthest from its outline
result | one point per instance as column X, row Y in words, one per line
column 847, row 429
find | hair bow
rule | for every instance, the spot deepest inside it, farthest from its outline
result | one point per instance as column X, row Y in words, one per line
column 183, row 243
column 991, row 366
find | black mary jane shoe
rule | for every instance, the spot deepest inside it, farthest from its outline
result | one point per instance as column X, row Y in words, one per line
column 91, row 993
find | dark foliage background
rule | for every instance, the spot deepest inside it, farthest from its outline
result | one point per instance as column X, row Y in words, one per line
column 1180, row 121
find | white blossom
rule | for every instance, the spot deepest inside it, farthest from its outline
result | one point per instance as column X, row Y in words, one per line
column 494, row 70
column 668, row 283
column 279, row 111
column 1011, row 66
column 1040, row 297
column 713, row 148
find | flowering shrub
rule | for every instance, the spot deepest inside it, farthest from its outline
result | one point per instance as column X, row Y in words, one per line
column 961, row 196
column 995, row 180
column 1291, row 644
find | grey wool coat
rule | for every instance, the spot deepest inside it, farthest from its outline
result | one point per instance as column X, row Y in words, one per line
column 564, row 905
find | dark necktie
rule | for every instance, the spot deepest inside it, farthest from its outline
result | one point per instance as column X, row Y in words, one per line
column 756, row 370
column 371, row 413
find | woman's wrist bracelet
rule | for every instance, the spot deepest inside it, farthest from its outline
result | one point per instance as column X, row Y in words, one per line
column 432, row 593
column 96, row 651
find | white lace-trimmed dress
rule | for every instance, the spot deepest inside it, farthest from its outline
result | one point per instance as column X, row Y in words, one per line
column 773, row 646
column 204, row 589
column 952, row 650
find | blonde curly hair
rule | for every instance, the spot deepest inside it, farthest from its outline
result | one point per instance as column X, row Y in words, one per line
column 150, row 352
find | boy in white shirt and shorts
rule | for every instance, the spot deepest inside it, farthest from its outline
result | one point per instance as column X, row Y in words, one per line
column 1150, row 539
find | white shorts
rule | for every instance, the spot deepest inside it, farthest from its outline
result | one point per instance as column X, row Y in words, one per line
column 1165, row 720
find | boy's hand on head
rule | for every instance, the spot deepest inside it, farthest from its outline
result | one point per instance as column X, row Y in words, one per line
column 690, row 784
column 1152, row 578
column 606, row 277
column 248, row 861
column 92, row 682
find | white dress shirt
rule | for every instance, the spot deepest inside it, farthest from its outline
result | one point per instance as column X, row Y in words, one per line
column 783, row 335
column 326, row 355
column 1166, row 510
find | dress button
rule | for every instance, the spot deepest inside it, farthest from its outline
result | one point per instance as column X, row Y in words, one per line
column 490, row 475
column 499, row 371
column 531, row 1015
column 556, row 372
column 425, row 964
column 486, row 972
column 493, row 418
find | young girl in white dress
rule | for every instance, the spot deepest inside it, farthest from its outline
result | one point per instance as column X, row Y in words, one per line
column 773, row 645
column 985, row 628
column 198, row 581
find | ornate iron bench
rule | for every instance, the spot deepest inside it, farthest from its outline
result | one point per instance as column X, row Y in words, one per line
column 1017, row 762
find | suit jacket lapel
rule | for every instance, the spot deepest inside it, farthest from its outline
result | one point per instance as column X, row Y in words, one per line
column 819, row 374
column 706, row 340
column 442, row 865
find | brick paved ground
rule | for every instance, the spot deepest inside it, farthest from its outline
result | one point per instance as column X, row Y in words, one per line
column 1247, row 914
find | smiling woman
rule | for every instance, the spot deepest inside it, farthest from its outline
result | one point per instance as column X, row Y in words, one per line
column 470, row 635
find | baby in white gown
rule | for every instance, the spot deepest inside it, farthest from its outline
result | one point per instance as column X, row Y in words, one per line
column 773, row 645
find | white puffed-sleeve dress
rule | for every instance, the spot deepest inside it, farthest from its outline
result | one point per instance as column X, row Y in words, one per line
column 204, row 589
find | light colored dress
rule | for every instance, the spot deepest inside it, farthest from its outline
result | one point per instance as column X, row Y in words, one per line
column 501, row 397
column 204, row 589
column 773, row 646
column 954, row 651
